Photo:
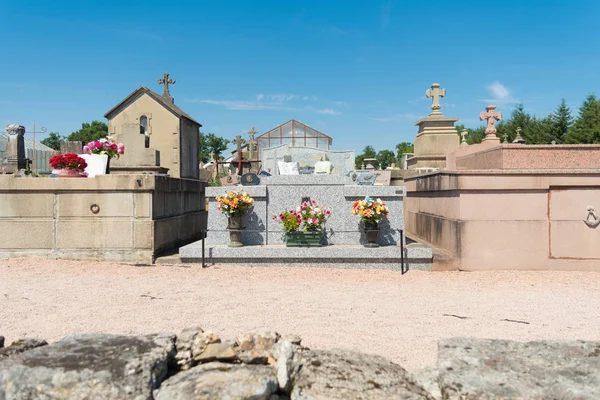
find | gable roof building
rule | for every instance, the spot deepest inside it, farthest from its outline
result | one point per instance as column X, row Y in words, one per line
column 167, row 128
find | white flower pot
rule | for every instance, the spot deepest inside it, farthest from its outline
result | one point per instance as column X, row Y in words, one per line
column 96, row 164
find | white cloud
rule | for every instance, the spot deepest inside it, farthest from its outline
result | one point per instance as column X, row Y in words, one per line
column 399, row 117
column 340, row 103
column 280, row 98
column 500, row 94
column 498, row 90
column 245, row 105
column 417, row 101
column 328, row 111
column 278, row 101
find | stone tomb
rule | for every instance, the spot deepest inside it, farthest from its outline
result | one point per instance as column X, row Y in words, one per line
column 276, row 194
column 263, row 237
column 129, row 217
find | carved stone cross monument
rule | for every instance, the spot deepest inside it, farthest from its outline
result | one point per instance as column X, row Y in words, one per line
column 165, row 81
column 252, row 144
column 435, row 93
column 239, row 142
column 463, row 135
column 491, row 116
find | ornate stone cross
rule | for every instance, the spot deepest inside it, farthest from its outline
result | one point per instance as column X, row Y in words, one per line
column 252, row 143
column 165, row 81
column 491, row 116
column 435, row 93
column 463, row 135
column 239, row 142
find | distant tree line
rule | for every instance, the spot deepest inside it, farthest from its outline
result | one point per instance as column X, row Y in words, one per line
column 89, row 131
column 95, row 130
column 385, row 158
column 559, row 126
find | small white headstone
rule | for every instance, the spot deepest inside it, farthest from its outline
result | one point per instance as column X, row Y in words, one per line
column 288, row 168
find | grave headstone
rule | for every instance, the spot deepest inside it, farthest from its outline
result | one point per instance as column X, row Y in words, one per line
column 341, row 160
column 229, row 180
column 250, row 179
column 287, row 166
column 137, row 158
column 436, row 136
column 323, row 167
column 364, row 177
column 15, row 149
column 383, row 178
column 75, row 147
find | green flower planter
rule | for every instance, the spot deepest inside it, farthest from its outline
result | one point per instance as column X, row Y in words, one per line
column 304, row 239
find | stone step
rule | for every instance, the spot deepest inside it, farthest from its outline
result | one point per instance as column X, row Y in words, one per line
column 331, row 256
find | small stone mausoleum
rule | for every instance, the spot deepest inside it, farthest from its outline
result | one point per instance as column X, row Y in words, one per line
column 166, row 127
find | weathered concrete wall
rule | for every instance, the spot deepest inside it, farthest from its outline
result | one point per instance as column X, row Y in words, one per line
column 507, row 219
column 110, row 217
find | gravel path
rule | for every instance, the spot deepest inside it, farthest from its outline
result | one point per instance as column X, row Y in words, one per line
column 397, row 316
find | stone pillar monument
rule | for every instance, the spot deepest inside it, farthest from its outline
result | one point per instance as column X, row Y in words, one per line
column 15, row 149
column 436, row 135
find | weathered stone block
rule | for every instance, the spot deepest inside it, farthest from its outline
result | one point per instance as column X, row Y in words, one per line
column 482, row 368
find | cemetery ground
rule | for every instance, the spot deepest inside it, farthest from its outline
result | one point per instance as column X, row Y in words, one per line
column 400, row 317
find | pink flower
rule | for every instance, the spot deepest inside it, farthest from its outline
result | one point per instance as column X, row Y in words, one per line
column 91, row 146
column 315, row 221
column 106, row 145
column 121, row 148
column 98, row 144
column 113, row 146
column 86, row 150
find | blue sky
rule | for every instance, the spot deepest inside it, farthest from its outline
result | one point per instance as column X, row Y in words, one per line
column 355, row 70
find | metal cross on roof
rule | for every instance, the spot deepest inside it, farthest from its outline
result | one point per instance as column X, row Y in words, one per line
column 165, row 81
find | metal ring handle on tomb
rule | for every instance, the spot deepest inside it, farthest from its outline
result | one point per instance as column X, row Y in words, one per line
column 591, row 213
column 95, row 208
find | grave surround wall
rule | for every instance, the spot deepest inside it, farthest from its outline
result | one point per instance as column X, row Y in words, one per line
column 280, row 193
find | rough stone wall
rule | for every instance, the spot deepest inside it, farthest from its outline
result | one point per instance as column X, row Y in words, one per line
column 196, row 364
